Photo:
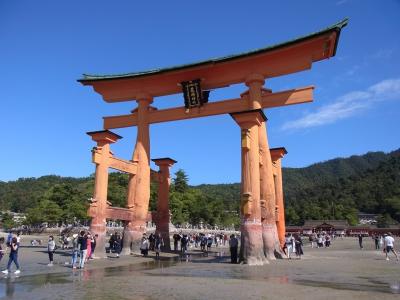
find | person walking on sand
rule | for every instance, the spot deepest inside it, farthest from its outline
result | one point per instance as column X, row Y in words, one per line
column 233, row 247
column 82, row 246
column 289, row 245
column 75, row 250
column 118, row 245
column 9, row 238
column 19, row 238
column 88, row 246
column 144, row 245
column 360, row 240
column 389, row 243
column 51, row 247
column 299, row 246
column 93, row 245
column 380, row 241
column 2, row 251
column 158, row 243
column 13, row 257
column 376, row 240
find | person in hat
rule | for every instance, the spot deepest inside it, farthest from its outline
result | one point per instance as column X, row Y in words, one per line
column 389, row 244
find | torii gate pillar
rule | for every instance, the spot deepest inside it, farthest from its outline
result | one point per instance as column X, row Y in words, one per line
column 139, row 185
column 163, row 215
column 98, row 207
column 272, row 247
column 276, row 155
column 251, row 251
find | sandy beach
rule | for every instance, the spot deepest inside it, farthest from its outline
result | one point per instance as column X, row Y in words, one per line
column 342, row 271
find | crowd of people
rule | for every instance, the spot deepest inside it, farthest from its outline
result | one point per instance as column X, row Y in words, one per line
column 196, row 240
column 321, row 239
column 82, row 245
column 184, row 242
column 154, row 242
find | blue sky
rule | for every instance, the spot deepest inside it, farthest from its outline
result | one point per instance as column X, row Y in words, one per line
column 45, row 46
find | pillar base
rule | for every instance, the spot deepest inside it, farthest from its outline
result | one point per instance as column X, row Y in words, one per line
column 165, row 236
column 251, row 248
column 100, row 250
column 271, row 245
column 132, row 238
column 281, row 233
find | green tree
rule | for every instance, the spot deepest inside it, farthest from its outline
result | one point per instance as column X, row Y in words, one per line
column 180, row 181
column 75, row 211
column 291, row 216
column 7, row 220
column 385, row 220
column 46, row 211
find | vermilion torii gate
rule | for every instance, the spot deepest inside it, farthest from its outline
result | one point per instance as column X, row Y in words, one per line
column 262, row 210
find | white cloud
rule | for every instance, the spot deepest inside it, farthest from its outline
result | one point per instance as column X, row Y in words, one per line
column 340, row 2
column 383, row 54
column 347, row 105
column 352, row 70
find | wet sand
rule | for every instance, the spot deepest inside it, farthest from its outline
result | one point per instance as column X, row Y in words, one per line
column 340, row 272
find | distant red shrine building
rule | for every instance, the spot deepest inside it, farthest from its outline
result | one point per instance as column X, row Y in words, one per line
column 341, row 226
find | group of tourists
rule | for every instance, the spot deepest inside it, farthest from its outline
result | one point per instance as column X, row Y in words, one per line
column 293, row 245
column 115, row 243
column 83, row 246
column 386, row 243
column 320, row 240
column 154, row 243
column 202, row 240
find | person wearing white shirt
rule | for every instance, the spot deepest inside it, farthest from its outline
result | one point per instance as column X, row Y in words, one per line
column 389, row 242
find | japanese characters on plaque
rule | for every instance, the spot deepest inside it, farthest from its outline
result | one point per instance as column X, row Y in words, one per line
column 194, row 96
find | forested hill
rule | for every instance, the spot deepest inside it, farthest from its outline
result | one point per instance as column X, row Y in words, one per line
column 337, row 188
column 371, row 186
column 328, row 172
column 297, row 179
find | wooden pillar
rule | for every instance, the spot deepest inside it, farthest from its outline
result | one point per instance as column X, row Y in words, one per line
column 271, row 243
column 163, row 215
column 139, row 185
column 97, row 209
column 251, row 251
column 276, row 156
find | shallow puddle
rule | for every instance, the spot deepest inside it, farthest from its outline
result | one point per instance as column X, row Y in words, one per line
column 213, row 266
column 12, row 283
column 371, row 287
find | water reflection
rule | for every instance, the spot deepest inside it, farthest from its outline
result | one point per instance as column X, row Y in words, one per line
column 198, row 266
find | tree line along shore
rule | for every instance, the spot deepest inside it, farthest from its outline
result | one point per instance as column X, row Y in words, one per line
column 336, row 189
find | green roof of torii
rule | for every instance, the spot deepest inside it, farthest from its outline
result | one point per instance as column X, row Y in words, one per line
column 335, row 27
